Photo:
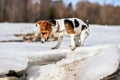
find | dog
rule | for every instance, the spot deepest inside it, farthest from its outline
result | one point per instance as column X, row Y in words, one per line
column 75, row 27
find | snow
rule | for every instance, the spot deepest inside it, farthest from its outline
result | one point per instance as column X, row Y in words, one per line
column 48, row 72
column 92, row 65
column 103, row 35
column 7, row 30
column 101, row 65
column 101, row 49
column 11, row 58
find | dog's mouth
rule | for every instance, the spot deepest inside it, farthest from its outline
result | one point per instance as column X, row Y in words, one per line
column 44, row 40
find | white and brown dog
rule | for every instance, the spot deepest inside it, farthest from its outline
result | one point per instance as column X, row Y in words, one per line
column 76, row 28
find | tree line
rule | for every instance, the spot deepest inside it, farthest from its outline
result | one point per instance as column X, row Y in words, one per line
column 31, row 11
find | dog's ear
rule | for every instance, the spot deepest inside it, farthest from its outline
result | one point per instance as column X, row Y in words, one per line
column 48, row 25
column 38, row 23
column 53, row 21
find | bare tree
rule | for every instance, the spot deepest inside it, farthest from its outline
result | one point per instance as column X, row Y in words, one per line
column 28, row 11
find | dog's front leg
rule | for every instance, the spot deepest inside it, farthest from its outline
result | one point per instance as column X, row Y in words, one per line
column 83, row 36
column 73, row 46
column 60, row 37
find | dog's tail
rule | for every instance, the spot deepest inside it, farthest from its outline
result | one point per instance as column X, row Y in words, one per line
column 87, row 22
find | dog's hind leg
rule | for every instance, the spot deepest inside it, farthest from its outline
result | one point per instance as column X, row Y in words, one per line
column 73, row 46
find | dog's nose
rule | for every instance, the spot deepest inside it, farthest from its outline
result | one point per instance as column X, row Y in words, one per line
column 42, row 41
column 46, row 39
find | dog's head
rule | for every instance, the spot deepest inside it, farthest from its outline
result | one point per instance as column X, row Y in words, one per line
column 45, row 29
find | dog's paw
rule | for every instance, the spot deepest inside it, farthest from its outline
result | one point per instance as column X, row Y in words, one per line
column 72, row 48
column 77, row 45
column 54, row 47
column 69, row 45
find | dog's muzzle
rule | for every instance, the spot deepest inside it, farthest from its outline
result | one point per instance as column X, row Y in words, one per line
column 44, row 40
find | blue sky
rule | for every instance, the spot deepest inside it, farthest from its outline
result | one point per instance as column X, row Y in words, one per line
column 113, row 2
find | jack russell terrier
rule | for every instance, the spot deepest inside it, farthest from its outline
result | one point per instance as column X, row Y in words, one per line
column 76, row 28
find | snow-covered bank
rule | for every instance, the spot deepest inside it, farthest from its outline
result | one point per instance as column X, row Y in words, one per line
column 93, row 65
column 11, row 58
column 99, row 57
column 87, row 60
column 101, row 65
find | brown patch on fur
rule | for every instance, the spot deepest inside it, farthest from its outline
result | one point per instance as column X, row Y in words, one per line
column 45, row 28
column 69, row 29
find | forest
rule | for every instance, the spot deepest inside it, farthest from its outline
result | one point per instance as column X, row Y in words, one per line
column 34, row 10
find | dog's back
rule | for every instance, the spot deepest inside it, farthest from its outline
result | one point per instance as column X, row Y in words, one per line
column 75, row 23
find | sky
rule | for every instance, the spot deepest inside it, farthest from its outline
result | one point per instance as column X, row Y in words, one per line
column 113, row 2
